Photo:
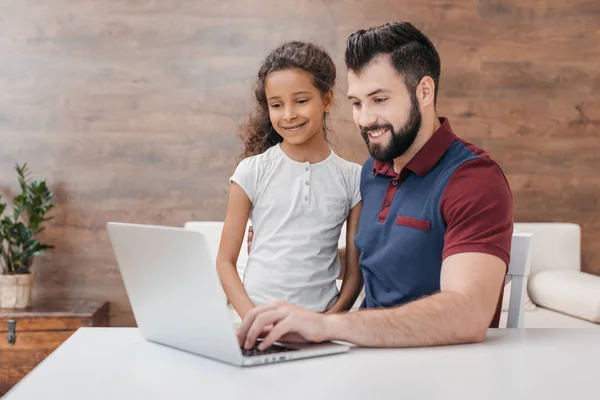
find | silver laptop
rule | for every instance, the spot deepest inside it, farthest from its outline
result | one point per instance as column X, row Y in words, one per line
column 178, row 301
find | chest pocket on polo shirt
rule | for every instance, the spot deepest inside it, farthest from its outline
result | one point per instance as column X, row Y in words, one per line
column 421, row 224
column 413, row 232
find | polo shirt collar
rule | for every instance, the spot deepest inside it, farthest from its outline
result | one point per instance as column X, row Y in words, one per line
column 426, row 157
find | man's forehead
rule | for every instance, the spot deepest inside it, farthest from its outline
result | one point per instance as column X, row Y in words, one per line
column 372, row 78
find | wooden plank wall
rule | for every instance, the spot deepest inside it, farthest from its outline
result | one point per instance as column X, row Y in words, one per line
column 129, row 108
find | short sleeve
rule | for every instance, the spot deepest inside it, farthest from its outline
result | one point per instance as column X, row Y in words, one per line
column 246, row 175
column 355, row 179
column 477, row 208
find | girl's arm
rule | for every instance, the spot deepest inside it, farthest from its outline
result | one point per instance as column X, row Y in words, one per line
column 353, row 280
column 232, row 236
column 342, row 255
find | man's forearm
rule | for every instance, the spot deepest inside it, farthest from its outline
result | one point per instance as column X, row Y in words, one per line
column 440, row 319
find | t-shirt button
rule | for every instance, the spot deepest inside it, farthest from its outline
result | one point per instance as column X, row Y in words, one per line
column 307, row 183
column 387, row 203
column 305, row 198
column 395, row 183
column 307, row 168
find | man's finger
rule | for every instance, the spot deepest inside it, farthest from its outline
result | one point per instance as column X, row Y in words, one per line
column 267, row 318
column 266, row 330
column 249, row 319
column 244, row 326
column 279, row 330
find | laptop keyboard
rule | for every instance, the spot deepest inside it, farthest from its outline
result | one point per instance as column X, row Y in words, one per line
column 273, row 349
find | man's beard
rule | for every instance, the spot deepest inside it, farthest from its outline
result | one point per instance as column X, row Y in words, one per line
column 400, row 141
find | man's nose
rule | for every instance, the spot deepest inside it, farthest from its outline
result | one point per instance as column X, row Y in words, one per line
column 366, row 118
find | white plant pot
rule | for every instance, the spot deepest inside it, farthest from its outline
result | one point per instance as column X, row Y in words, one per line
column 16, row 290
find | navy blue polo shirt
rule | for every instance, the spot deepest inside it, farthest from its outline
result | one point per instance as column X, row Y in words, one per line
column 451, row 197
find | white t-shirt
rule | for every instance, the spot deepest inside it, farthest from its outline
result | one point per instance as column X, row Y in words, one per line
column 297, row 213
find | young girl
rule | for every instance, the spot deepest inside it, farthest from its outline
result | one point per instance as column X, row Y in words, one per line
column 296, row 190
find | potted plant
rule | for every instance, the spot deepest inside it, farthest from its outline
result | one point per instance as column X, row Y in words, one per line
column 19, row 244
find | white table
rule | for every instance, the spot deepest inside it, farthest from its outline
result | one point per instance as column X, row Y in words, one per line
column 117, row 363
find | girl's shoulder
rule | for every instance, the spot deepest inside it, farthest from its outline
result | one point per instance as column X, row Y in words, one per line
column 346, row 167
column 253, row 171
column 349, row 175
column 260, row 161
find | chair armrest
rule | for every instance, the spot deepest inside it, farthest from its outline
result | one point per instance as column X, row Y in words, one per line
column 570, row 292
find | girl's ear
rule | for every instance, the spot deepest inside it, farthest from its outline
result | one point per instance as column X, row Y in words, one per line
column 328, row 100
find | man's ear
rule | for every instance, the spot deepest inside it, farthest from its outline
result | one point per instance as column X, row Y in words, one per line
column 426, row 91
column 328, row 100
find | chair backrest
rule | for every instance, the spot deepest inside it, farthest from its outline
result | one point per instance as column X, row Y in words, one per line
column 518, row 272
column 554, row 246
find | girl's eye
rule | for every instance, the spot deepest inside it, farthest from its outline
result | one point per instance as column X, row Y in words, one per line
column 302, row 101
column 276, row 105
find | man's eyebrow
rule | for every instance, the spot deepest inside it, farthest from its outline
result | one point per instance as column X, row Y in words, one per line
column 374, row 92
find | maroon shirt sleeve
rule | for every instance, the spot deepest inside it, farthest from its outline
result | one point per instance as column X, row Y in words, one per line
column 478, row 211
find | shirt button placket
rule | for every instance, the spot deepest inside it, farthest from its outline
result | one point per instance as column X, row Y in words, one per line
column 306, row 185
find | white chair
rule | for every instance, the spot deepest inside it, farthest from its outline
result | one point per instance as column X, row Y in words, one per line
column 518, row 272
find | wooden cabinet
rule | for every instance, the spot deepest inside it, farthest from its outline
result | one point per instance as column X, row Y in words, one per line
column 28, row 336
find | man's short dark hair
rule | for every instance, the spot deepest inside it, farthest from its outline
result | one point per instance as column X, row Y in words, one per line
column 411, row 52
